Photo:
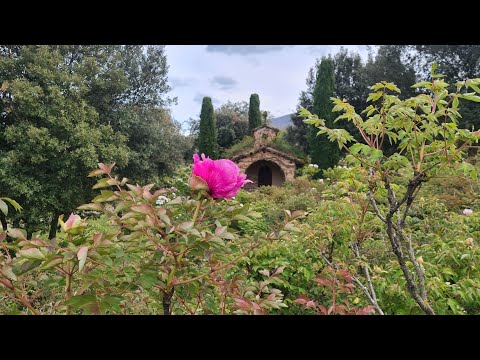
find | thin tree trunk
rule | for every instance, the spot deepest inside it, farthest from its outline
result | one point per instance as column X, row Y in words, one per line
column 3, row 220
column 53, row 226
column 166, row 301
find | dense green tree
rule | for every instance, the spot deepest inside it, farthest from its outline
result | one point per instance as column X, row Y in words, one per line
column 390, row 64
column 207, row 137
column 156, row 144
column 232, row 123
column 296, row 134
column 456, row 62
column 126, row 84
column 351, row 84
column 322, row 152
column 51, row 137
column 254, row 114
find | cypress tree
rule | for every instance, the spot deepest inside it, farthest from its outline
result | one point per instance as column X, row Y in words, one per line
column 323, row 152
column 254, row 114
column 207, row 139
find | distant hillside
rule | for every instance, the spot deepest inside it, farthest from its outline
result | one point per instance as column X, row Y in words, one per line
column 282, row 122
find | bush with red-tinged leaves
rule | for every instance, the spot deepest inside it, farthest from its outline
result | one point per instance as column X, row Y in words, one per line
column 339, row 282
column 260, row 297
column 176, row 257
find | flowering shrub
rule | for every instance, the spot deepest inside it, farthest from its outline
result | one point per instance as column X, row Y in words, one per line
column 162, row 253
column 425, row 130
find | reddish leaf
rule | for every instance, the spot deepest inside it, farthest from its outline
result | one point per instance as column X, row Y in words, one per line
column 265, row 272
column 144, row 208
column 323, row 310
column 241, row 303
column 342, row 273
column 97, row 239
column 324, row 282
column 279, row 270
column 256, row 306
column 96, row 173
column 303, row 299
column 311, row 304
column 367, row 310
column 297, row 213
column 331, row 309
column 106, row 168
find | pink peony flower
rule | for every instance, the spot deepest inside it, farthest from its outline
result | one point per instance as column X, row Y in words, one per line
column 223, row 176
column 467, row 211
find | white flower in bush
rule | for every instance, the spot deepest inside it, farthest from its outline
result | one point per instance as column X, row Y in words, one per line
column 162, row 200
column 321, row 180
column 467, row 211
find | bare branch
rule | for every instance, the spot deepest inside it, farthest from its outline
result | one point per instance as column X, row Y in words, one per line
column 359, row 283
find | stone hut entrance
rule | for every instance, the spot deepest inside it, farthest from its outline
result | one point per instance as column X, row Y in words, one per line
column 265, row 173
column 264, row 176
column 265, row 165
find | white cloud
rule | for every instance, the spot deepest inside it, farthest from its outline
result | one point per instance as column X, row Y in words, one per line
column 277, row 75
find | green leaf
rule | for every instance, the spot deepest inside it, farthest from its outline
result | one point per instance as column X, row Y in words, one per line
column 82, row 257
column 3, row 207
column 422, row 84
column 217, row 241
column 291, row 227
column 12, row 202
column 455, row 102
column 32, row 253
column 393, row 87
column 26, row 265
column 376, row 154
column 17, row 234
column 50, row 263
column 91, row 206
column 188, row 225
column 453, row 304
column 147, row 280
column 102, row 183
column 8, row 272
column 241, row 217
column 81, row 301
column 471, row 97
column 219, row 231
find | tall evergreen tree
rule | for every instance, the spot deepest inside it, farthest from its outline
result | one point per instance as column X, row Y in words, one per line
column 207, row 140
column 323, row 152
column 254, row 114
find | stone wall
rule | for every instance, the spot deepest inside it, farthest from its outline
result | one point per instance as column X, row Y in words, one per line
column 263, row 136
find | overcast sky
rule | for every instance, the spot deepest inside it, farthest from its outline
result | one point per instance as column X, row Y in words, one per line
column 277, row 73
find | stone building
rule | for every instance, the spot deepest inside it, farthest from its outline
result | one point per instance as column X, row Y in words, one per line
column 263, row 164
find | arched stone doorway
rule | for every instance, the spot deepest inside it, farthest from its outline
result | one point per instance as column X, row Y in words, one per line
column 265, row 173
